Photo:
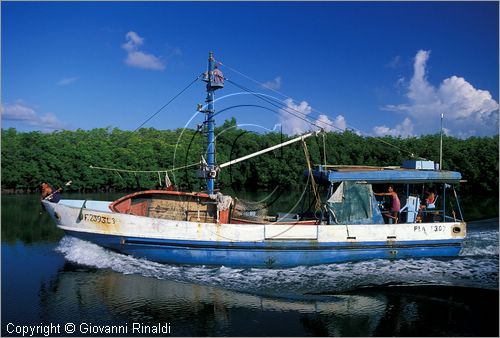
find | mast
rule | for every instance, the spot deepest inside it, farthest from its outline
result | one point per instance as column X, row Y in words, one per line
column 213, row 78
column 441, row 145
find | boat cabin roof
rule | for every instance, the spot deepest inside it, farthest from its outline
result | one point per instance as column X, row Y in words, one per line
column 338, row 173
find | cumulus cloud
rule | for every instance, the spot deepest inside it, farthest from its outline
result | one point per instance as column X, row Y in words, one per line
column 274, row 84
column 138, row 58
column 467, row 111
column 133, row 41
column 338, row 124
column 293, row 119
column 292, row 124
column 405, row 129
column 23, row 114
column 17, row 112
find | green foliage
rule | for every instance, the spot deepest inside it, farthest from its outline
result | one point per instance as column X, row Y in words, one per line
column 32, row 157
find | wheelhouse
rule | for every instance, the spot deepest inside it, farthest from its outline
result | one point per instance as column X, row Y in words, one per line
column 351, row 199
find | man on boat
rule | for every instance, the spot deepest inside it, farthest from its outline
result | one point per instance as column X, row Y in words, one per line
column 428, row 203
column 395, row 204
column 49, row 193
column 430, row 198
column 218, row 77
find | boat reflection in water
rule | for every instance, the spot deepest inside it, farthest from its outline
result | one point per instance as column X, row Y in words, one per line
column 105, row 297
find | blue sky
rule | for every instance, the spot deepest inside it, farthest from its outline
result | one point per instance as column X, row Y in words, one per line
column 379, row 68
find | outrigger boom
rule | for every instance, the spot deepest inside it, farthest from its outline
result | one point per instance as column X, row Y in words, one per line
column 263, row 151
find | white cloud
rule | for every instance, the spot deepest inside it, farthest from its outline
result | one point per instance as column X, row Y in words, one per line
column 274, row 84
column 21, row 113
column 324, row 122
column 138, row 58
column 66, row 81
column 18, row 112
column 405, row 129
column 292, row 124
column 468, row 111
column 134, row 41
column 339, row 124
column 293, row 119
column 465, row 101
column 421, row 91
column 143, row 60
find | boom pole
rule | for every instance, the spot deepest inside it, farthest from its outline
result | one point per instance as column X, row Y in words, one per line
column 263, row 151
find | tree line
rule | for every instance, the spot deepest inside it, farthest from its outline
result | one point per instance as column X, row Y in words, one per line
column 29, row 158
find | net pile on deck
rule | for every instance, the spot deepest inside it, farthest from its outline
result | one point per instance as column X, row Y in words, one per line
column 254, row 211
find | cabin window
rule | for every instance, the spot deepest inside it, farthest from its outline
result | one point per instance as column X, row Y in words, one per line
column 350, row 203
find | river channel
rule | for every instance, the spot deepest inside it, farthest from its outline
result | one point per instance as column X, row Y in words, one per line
column 50, row 280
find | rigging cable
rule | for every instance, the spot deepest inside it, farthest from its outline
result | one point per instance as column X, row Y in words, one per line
column 306, row 118
column 144, row 171
column 282, row 94
column 166, row 104
column 279, row 105
column 313, row 182
column 305, row 115
column 253, row 80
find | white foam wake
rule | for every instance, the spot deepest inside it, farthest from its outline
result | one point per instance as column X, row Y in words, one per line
column 480, row 243
column 461, row 271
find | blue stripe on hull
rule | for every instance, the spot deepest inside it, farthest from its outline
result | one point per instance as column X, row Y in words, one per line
column 267, row 254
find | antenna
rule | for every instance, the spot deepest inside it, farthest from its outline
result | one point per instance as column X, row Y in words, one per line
column 441, row 145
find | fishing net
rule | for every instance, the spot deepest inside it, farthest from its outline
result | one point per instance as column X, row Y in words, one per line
column 351, row 203
column 249, row 210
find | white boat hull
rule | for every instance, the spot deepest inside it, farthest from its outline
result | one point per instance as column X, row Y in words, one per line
column 255, row 245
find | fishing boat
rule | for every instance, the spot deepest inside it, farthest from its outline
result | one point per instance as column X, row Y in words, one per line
column 351, row 222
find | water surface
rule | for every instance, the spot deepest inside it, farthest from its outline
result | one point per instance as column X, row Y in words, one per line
column 51, row 278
